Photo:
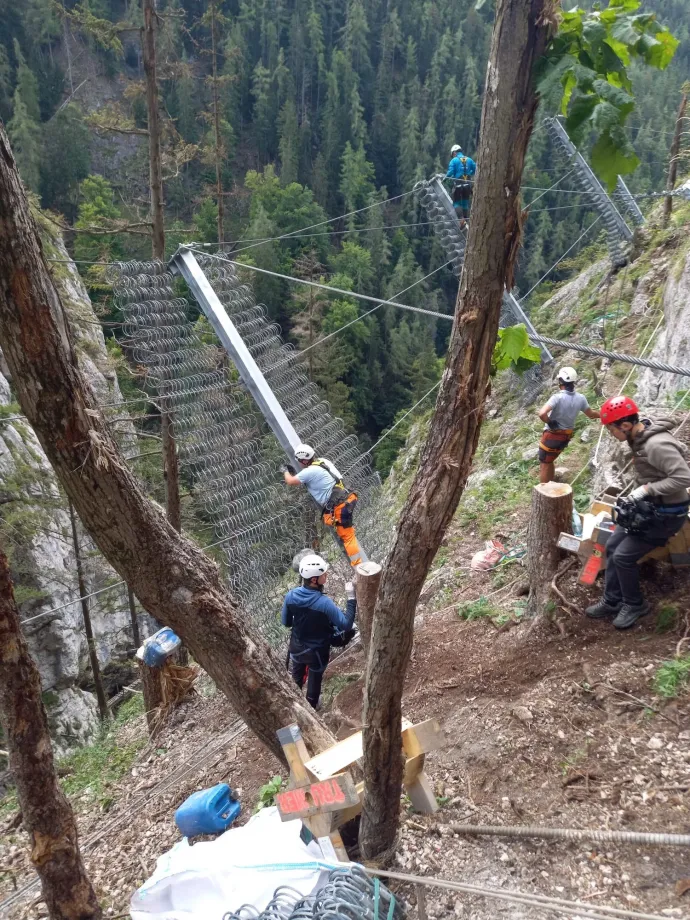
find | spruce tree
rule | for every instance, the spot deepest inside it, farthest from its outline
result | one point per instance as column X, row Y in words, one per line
column 289, row 143
column 25, row 135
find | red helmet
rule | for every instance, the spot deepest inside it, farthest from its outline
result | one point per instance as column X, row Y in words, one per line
column 616, row 408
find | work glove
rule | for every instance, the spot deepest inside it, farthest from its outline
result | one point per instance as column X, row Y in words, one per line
column 287, row 468
column 350, row 590
column 553, row 424
column 639, row 493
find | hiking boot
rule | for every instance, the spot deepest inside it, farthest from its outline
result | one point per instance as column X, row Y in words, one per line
column 629, row 614
column 603, row 609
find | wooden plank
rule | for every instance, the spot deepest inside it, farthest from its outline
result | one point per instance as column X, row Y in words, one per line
column 422, row 795
column 293, row 747
column 338, row 758
column 320, row 798
column 347, row 814
column 422, row 738
column 597, row 507
column 413, row 767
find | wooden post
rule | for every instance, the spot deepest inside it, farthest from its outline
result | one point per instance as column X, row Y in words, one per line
column 673, row 161
column 551, row 513
column 366, row 588
column 88, row 628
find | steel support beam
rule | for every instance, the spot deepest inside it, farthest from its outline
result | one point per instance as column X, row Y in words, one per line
column 624, row 195
column 184, row 261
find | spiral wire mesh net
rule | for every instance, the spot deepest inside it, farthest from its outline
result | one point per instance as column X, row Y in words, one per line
column 349, row 894
column 228, row 456
column 438, row 206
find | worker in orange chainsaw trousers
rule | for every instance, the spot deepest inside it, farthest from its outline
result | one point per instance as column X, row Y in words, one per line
column 325, row 485
column 558, row 415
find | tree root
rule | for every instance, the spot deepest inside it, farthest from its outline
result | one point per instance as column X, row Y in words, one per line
column 557, row 591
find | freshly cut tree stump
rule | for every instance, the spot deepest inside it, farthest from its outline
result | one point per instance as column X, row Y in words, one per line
column 550, row 515
column 366, row 588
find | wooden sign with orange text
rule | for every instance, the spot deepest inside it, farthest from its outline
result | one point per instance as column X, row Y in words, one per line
column 332, row 794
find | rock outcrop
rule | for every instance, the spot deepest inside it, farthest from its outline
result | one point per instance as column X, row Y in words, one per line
column 38, row 536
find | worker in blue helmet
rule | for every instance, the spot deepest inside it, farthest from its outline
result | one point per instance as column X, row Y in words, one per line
column 461, row 169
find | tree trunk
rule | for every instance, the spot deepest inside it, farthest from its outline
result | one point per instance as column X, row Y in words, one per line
column 88, row 628
column 46, row 813
column 148, row 48
column 367, row 583
column 216, row 127
column 520, row 34
column 152, row 687
column 673, row 163
column 550, row 515
column 172, row 578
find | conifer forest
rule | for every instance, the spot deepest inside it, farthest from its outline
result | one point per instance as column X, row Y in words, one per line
column 282, row 114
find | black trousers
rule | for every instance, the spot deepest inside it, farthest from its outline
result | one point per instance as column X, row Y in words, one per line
column 313, row 659
column 623, row 552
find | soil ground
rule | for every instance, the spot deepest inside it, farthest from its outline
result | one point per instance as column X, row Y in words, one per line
column 556, row 726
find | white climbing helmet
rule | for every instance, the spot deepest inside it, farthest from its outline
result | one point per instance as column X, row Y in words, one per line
column 304, row 452
column 456, row 148
column 567, row 375
column 312, row 566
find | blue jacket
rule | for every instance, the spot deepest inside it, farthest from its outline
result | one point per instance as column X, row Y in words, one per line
column 461, row 167
column 314, row 617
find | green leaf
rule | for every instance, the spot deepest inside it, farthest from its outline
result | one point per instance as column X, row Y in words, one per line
column 594, row 30
column 614, row 56
column 579, row 115
column 513, row 340
column 623, row 31
column 658, row 52
column 614, row 95
column 626, row 6
column 610, row 158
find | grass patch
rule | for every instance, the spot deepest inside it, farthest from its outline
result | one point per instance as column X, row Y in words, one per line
column 475, row 610
column 672, row 677
column 93, row 770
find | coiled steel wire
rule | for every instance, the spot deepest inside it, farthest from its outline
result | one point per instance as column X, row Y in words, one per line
column 349, row 894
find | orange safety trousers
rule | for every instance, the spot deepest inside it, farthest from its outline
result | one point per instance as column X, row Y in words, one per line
column 345, row 534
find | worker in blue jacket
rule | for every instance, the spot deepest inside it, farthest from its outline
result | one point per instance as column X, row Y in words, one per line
column 462, row 169
column 317, row 624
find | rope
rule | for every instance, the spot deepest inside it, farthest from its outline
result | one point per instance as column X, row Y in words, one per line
column 560, row 833
column 559, row 905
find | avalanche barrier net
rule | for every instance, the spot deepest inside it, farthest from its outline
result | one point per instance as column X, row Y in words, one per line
column 228, row 455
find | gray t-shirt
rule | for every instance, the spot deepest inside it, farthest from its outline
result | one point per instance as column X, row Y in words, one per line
column 318, row 481
column 564, row 408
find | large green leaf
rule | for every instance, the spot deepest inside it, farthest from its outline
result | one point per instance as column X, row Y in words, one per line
column 658, row 52
column 624, row 31
column 611, row 158
column 579, row 115
column 594, row 31
column 513, row 341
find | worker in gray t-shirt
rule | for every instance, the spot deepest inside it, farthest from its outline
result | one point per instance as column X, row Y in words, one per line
column 558, row 415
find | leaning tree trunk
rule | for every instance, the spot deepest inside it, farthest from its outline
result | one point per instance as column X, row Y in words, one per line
column 46, row 813
column 550, row 515
column 172, row 578
column 520, row 34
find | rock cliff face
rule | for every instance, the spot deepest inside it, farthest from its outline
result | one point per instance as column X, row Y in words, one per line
column 36, row 522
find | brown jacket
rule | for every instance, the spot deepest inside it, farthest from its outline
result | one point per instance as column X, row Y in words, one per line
column 660, row 462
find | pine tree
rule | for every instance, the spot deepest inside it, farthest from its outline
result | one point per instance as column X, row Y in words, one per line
column 356, row 180
column 355, row 261
column 289, row 143
column 26, row 88
column 263, row 120
column 5, row 85
column 25, row 135
column 66, row 160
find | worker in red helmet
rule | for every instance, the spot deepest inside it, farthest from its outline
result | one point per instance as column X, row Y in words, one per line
column 662, row 475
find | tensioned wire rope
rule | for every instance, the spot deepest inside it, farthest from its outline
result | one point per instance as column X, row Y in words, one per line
column 589, row 350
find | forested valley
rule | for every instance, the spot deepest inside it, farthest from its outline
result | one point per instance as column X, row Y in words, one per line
column 287, row 115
